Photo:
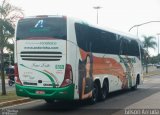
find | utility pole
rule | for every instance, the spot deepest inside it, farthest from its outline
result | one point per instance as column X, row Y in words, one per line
column 138, row 25
column 158, row 42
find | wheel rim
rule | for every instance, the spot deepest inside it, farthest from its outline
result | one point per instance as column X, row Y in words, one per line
column 10, row 84
column 104, row 93
column 104, row 90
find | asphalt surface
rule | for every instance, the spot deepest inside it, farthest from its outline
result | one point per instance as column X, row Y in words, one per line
column 8, row 88
column 118, row 103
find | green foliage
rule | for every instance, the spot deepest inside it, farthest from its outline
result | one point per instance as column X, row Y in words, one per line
column 154, row 59
column 8, row 15
column 149, row 42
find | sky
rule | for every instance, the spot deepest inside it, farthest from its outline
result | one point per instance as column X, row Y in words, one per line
column 120, row 15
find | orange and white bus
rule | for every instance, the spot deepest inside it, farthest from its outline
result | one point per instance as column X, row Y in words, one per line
column 61, row 58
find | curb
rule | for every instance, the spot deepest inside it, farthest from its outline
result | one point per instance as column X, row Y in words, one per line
column 18, row 101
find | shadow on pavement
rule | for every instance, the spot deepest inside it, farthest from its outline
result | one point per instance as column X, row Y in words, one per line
column 116, row 102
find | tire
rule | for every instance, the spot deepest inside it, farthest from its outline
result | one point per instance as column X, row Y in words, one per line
column 104, row 91
column 95, row 93
column 135, row 87
column 10, row 83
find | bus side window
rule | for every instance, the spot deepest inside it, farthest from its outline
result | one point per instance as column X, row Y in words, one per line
column 82, row 35
column 133, row 48
column 124, row 46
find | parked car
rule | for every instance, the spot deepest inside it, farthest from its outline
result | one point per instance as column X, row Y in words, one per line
column 158, row 65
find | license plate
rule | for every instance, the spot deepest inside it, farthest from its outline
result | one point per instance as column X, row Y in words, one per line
column 40, row 92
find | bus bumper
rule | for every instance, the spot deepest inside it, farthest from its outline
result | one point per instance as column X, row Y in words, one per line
column 65, row 93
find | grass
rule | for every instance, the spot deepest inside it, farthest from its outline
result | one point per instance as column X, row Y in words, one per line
column 11, row 95
column 154, row 72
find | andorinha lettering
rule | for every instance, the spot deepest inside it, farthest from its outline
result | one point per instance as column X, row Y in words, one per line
column 128, row 60
column 48, row 43
column 41, row 43
column 41, row 47
column 39, row 30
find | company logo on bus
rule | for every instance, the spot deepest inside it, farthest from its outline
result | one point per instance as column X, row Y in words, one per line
column 59, row 66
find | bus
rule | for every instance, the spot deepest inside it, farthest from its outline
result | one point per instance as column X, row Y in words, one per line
column 63, row 58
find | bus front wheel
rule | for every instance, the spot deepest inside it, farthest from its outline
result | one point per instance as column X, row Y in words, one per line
column 137, row 83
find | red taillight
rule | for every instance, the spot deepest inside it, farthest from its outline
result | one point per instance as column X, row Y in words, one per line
column 16, row 74
column 68, row 76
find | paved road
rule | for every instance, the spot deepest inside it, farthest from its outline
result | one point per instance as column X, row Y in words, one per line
column 8, row 88
column 119, row 103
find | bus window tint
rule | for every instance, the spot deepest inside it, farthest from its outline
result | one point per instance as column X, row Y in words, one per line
column 96, row 40
column 124, row 46
column 134, row 48
column 82, row 35
column 42, row 27
column 100, row 41
column 130, row 47
column 112, row 43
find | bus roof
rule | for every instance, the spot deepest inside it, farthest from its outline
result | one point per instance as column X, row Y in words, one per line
column 105, row 28
column 128, row 35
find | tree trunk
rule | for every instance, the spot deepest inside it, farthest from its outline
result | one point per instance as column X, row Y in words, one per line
column 147, row 56
column 146, row 65
column 2, row 74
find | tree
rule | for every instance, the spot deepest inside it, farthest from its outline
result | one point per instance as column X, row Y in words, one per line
column 148, row 43
column 8, row 15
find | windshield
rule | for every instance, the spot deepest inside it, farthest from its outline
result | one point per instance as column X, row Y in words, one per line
column 49, row 27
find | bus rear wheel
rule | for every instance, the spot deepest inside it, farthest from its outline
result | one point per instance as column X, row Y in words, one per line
column 95, row 92
column 104, row 90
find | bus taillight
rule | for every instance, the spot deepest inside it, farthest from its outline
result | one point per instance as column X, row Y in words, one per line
column 16, row 74
column 68, row 77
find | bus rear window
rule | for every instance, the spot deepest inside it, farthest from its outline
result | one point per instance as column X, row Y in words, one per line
column 42, row 27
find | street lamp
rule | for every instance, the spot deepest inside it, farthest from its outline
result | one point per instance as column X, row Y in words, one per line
column 141, row 25
column 97, row 8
